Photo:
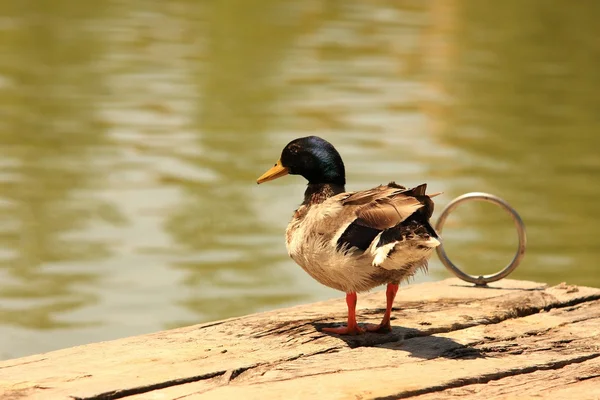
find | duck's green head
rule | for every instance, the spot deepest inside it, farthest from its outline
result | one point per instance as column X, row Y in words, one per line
column 312, row 157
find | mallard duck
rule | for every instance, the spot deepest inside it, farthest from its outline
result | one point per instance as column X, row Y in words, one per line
column 354, row 241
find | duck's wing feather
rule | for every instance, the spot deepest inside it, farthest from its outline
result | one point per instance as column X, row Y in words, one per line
column 387, row 212
column 386, row 206
column 382, row 208
column 367, row 196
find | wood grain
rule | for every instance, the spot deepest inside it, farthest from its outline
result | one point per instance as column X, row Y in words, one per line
column 449, row 339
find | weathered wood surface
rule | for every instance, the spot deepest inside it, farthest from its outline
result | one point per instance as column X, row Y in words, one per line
column 514, row 340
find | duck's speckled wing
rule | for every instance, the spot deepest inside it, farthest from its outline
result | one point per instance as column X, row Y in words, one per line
column 380, row 209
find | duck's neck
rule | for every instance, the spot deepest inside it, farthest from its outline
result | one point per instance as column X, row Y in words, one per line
column 319, row 192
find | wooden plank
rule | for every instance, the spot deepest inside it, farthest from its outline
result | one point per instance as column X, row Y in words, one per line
column 431, row 363
column 275, row 349
column 574, row 381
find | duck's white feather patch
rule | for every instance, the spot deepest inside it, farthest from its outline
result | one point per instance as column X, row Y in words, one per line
column 381, row 253
column 432, row 242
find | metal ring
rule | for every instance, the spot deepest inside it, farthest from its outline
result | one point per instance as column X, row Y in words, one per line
column 482, row 280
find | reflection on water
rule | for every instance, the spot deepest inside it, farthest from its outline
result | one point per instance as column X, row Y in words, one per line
column 132, row 134
column 51, row 137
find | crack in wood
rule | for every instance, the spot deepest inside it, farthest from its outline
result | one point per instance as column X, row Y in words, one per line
column 119, row 394
column 585, row 378
column 24, row 363
column 574, row 302
column 229, row 375
column 288, row 327
column 488, row 377
column 238, row 371
column 520, row 312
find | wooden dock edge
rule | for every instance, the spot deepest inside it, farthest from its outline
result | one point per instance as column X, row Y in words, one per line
column 514, row 339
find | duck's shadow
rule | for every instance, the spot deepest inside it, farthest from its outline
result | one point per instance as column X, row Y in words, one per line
column 418, row 343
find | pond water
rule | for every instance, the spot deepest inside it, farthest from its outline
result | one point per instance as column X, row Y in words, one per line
column 132, row 133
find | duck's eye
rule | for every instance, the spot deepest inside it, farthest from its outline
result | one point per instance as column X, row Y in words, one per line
column 275, row 164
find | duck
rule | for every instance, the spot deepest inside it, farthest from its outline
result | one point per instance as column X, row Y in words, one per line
column 354, row 241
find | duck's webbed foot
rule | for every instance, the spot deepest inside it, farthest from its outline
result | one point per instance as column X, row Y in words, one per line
column 383, row 327
column 345, row 330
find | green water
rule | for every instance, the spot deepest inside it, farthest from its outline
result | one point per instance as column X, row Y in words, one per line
column 132, row 132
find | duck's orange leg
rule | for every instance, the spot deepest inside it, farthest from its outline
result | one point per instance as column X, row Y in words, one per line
column 352, row 328
column 385, row 325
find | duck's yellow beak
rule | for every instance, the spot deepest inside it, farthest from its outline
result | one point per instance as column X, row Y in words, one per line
column 277, row 171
